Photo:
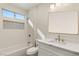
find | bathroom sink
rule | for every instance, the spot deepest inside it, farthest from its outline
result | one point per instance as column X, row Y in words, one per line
column 49, row 40
column 55, row 41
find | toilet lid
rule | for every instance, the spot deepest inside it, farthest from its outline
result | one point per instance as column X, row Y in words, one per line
column 32, row 50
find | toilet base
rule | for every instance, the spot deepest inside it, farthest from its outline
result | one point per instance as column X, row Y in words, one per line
column 33, row 54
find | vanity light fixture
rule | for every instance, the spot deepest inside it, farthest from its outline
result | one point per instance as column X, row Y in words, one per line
column 52, row 6
column 62, row 4
column 59, row 4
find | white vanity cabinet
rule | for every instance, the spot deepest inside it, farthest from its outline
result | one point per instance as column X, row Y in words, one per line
column 50, row 50
column 64, row 22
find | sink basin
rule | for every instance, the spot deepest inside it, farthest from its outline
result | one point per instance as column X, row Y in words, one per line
column 54, row 41
column 50, row 40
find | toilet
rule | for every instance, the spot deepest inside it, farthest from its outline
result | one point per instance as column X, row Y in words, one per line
column 33, row 51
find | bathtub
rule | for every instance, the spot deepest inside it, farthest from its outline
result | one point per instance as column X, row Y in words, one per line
column 18, row 50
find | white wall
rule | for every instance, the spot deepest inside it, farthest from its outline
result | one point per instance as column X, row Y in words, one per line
column 9, row 38
column 39, row 16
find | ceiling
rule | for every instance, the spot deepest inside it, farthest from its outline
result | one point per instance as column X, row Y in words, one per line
column 25, row 6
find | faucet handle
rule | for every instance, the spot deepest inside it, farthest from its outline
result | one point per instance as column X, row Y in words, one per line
column 57, row 39
column 62, row 40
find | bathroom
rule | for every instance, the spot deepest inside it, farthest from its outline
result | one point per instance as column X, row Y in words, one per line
column 31, row 29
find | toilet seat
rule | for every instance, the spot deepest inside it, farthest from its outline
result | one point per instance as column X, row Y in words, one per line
column 32, row 50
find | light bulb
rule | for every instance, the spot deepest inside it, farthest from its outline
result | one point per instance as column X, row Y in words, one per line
column 52, row 6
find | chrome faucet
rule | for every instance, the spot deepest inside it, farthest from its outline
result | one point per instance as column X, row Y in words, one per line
column 59, row 39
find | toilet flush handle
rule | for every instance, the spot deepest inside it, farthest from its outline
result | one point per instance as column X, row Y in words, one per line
column 29, row 35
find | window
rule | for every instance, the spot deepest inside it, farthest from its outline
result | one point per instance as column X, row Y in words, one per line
column 19, row 16
column 12, row 25
column 7, row 13
column 11, row 14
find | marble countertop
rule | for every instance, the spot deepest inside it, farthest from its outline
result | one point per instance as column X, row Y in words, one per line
column 74, row 47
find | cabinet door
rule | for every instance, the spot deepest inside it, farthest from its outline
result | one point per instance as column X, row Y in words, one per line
column 45, row 52
column 63, row 22
column 45, row 49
